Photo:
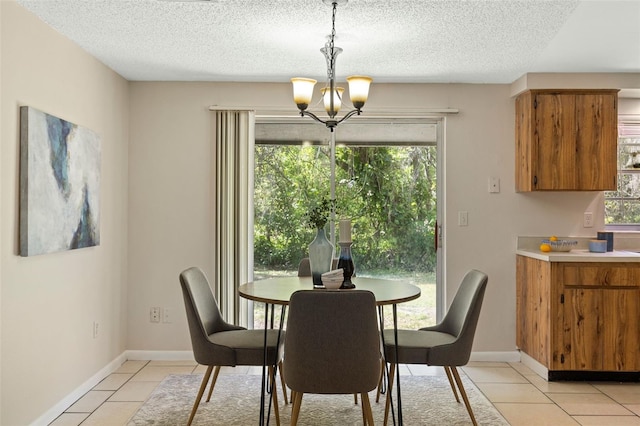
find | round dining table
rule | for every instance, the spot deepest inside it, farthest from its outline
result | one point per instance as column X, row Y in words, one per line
column 278, row 291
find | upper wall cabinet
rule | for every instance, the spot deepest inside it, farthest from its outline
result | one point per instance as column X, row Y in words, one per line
column 566, row 140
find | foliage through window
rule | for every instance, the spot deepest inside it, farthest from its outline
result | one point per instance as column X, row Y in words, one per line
column 622, row 207
column 389, row 193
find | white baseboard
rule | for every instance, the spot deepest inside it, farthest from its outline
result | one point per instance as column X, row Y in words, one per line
column 67, row 401
column 511, row 356
column 534, row 365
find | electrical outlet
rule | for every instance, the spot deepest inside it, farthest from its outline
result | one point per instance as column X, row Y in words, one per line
column 155, row 314
column 95, row 329
column 166, row 315
column 494, row 184
column 588, row 220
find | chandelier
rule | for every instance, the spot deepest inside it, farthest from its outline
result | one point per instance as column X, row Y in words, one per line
column 331, row 94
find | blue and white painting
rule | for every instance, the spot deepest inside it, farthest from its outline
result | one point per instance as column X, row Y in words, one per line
column 59, row 184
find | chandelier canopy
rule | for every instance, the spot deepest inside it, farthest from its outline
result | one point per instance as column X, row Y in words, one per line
column 331, row 94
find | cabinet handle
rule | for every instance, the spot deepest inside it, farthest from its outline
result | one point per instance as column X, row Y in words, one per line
column 562, row 298
column 561, row 358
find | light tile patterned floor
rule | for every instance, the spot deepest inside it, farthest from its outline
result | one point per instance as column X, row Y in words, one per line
column 523, row 397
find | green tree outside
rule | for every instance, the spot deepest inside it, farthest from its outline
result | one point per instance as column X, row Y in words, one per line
column 389, row 193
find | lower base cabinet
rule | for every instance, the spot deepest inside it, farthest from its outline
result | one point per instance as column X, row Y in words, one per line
column 579, row 316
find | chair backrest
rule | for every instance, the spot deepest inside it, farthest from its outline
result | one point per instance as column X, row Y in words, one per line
column 203, row 317
column 332, row 344
column 304, row 267
column 461, row 320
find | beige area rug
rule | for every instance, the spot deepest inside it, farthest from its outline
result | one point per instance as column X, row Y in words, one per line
column 426, row 400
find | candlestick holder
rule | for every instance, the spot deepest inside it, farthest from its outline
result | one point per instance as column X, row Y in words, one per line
column 345, row 261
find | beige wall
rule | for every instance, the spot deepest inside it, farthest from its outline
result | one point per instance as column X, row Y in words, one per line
column 49, row 302
column 170, row 175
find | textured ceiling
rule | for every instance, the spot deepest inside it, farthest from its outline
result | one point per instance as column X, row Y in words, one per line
column 472, row 41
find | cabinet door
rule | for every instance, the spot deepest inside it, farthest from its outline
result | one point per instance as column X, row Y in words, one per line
column 621, row 345
column 556, row 142
column 601, row 330
column 583, row 329
column 595, row 141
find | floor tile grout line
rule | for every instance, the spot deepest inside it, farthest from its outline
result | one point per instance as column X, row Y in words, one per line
column 410, row 373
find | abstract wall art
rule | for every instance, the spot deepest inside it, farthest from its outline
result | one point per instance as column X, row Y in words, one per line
column 59, row 184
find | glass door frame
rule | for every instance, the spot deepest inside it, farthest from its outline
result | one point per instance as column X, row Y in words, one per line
column 439, row 121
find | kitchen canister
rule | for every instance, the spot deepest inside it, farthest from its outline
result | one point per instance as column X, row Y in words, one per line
column 598, row 246
column 608, row 237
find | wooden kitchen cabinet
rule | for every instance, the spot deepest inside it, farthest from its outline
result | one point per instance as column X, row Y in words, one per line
column 579, row 316
column 566, row 140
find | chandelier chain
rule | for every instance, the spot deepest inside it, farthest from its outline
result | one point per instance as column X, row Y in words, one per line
column 331, row 56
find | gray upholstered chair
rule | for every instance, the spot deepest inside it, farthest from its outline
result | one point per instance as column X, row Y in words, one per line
column 446, row 344
column 217, row 343
column 304, row 267
column 332, row 346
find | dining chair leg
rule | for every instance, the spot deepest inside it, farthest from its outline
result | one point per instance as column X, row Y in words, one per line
column 366, row 409
column 213, row 382
column 379, row 390
column 456, row 376
column 295, row 409
column 355, row 398
column 453, row 386
column 284, row 385
column 387, row 404
column 274, row 390
column 203, row 386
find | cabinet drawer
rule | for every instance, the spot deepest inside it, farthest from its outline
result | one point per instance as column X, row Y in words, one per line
column 597, row 275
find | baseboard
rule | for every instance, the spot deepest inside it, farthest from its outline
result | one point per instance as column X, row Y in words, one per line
column 534, row 365
column 511, row 356
column 67, row 401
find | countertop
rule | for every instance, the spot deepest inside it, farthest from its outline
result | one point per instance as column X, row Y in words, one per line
column 581, row 255
column 627, row 249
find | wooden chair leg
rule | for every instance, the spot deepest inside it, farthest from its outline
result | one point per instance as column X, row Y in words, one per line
column 213, row 382
column 295, row 409
column 453, row 386
column 456, row 376
column 382, row 362
column 203, row 386
column 366, row 409
column 284, row 385
column 274, row 390
column 387, row 404
column 355, row 398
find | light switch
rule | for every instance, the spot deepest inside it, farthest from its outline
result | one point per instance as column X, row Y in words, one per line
column 463, row 218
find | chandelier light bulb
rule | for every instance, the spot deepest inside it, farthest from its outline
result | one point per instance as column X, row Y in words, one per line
column 302, row 91
column 359, row 90
column 337, row 100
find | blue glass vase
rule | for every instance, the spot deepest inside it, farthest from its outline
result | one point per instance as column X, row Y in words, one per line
column 320, row 256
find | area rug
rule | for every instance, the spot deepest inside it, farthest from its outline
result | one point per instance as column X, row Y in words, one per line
column 426, row 400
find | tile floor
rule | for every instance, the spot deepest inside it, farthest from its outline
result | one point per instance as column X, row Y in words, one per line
column 523, row 397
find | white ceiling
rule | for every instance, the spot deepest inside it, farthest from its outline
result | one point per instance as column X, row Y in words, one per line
column 472, row 41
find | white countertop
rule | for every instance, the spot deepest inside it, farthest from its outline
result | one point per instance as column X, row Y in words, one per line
column 581, row 255
column 627, row 249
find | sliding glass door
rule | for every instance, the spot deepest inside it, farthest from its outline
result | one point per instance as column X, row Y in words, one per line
column 386, row 182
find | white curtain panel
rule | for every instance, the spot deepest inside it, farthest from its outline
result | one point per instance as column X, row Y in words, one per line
column 233, row 222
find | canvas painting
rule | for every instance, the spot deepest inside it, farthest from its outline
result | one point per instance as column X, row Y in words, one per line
column 59, row 184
